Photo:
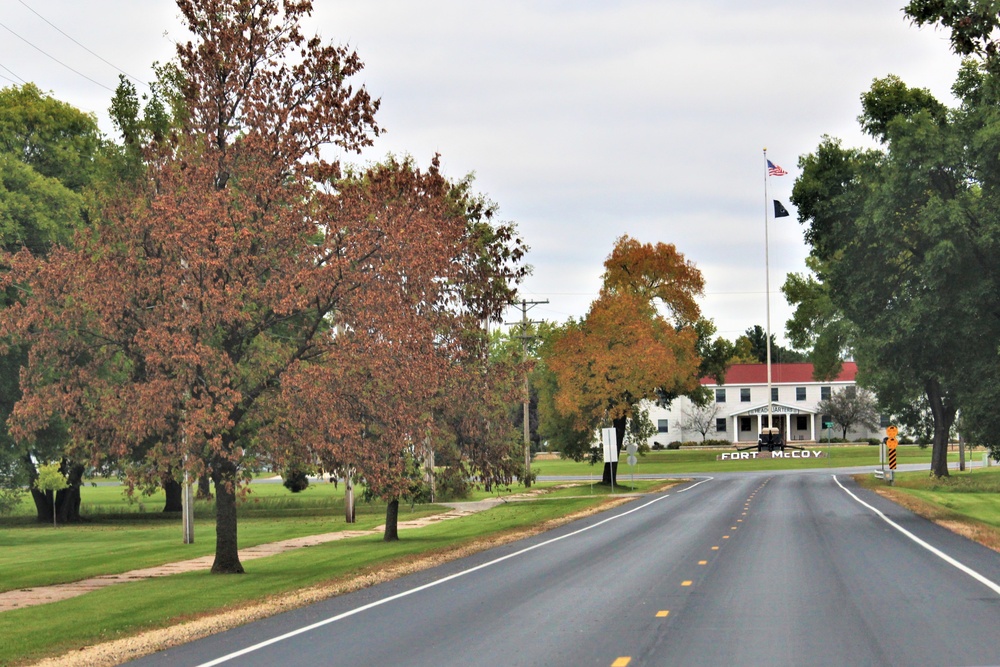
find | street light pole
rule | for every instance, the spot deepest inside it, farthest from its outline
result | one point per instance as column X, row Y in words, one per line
column 527, row 390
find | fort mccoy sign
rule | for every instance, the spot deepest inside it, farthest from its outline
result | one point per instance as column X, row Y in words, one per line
column 793, row 454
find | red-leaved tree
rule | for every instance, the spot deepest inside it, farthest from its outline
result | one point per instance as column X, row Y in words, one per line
column 194, row 323
column 245, row 303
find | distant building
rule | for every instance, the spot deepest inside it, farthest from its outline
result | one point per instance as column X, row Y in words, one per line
column 742, row 406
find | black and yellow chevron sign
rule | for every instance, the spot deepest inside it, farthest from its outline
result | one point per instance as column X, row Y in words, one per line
column 890, row 443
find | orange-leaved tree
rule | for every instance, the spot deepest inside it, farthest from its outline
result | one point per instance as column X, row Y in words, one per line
column 625, row 350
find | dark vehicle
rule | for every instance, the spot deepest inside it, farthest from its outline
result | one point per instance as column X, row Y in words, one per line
column 770, row 439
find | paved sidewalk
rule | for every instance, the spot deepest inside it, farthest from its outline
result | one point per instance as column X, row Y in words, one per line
column 28, row 597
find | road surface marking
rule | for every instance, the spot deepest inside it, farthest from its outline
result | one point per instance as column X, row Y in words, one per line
column 662, row 614
column 703, row 562
column 715, row 548
column 707, row 479
column 686, row 583
column 725, row 537
column 937, row 552
column 432, row 584
column 621, row 662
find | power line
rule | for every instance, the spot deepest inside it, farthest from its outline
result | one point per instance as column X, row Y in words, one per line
column 55, row 59
column 64, row 34
column 12, row 74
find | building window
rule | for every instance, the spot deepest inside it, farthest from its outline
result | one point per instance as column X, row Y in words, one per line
column 745, row 395
column 720, row 395
column 802, row 422
column 800, row 393
column 720, row 425
column 824, row 393
column 661, row 425
column 774, row 393
column 744, row 423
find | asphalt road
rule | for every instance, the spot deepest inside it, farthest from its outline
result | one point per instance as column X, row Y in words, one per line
column 749, row 569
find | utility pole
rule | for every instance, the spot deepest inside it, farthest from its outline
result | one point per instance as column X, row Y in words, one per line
column 527, row 392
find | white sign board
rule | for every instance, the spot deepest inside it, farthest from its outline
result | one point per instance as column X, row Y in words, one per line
column 610, row 446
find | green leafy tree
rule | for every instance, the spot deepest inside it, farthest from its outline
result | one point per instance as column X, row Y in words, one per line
column 50, row 155
column 892, row 234
column 817, row 325
column 756, row 339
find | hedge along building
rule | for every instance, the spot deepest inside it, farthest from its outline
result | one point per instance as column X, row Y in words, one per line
column 739, row 407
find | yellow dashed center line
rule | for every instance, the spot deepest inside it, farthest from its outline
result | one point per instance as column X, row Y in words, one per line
column 715, row 548
column 686, row 583
column 662, row 614
column 703, row 562
column 725, row 537
column 621, row 662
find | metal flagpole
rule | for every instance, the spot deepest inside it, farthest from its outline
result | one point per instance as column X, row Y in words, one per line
column 767, row 290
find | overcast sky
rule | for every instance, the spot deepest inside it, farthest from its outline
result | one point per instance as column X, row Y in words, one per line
column 583, row 120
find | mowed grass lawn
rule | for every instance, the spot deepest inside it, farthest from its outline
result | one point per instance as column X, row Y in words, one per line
column 694, row 459
column 970, row 496
column 117, row 537
column 124, row 609
column 121, row 534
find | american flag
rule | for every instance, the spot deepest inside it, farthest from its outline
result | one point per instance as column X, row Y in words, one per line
column 774, row 170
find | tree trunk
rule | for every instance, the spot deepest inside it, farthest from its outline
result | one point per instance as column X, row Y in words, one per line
column 611, row 469
column 66, row 505
column 392, row 521
column 227, row 555
column 43, row 505
column 944, row 416
column 173, row 490
column 204, row 488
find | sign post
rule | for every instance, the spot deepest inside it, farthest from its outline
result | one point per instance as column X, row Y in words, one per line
column 632, row 449
column 890, row 444
column 608, row 439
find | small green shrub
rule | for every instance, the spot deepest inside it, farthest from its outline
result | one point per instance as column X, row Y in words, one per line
column 296, row 478
column 450, row 483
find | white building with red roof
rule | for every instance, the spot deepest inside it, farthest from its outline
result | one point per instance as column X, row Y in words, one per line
column 741, row 405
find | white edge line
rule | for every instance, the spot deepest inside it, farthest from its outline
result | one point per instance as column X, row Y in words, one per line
column 934, row 550
column 391, row 598
column 707, row 479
